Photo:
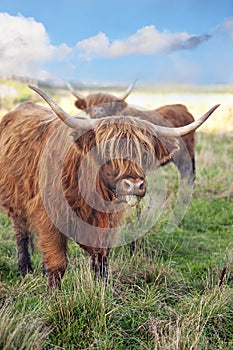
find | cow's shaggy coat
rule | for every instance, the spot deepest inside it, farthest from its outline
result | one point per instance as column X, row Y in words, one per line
column 118, row 150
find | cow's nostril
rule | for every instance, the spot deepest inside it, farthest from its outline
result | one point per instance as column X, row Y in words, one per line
column 141, row 186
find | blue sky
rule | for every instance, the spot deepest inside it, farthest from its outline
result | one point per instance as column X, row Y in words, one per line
column 103, row 42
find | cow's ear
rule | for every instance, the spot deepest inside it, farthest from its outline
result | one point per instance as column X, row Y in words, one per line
column 165, row 149
column 81, row 103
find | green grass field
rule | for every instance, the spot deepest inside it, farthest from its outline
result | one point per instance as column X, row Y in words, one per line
column 176, row 293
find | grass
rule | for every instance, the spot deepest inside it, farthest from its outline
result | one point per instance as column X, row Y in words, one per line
column 176, row 293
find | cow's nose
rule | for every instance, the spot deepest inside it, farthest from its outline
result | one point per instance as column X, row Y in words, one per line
column 137, row 188
column 98, row 110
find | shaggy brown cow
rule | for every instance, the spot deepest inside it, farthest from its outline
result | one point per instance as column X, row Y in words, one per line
column 97, row 169
column 99, row 105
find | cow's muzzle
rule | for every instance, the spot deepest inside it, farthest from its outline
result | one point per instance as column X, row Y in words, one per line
column 129, row 189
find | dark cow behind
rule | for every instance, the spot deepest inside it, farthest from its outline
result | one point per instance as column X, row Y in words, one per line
column 103, row 169
column 99, row 105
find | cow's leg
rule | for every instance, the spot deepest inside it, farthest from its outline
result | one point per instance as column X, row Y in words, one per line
column 99, row 264
column 186, row 173
column 53, row 246
column 95, row 264
column 193, row 167
column 186, row 167
column 22, row 240
column 104, row 267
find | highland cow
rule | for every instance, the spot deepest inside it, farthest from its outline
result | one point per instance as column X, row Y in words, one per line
column 64, row 177
column 99, row 105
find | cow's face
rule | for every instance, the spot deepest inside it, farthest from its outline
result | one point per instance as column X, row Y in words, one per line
column 126, row 183
column 122, row 150
column 126, row 152
column 101, row 105
column 117, row 156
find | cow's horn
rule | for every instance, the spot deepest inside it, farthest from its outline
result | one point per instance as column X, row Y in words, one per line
column 127, row 92
column 77, row 123
column 184, row 130
column 74, row 123
column 75, row 92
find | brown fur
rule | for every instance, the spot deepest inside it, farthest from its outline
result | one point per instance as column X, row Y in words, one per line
column 175, row 115
column 28, row 147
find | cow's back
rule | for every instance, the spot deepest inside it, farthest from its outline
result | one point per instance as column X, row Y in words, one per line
column 23, row 132
column 177, row 114
column 174, row 115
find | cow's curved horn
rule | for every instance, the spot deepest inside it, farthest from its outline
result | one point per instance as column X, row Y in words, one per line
column 184, row 130
column 127, row 92
column 74, row 123
column 75, row 92
column 77, row 123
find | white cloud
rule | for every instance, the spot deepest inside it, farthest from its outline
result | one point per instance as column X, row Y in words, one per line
column 147, row 40
column 228, row 26
column 25, row 45
column 97, row 45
